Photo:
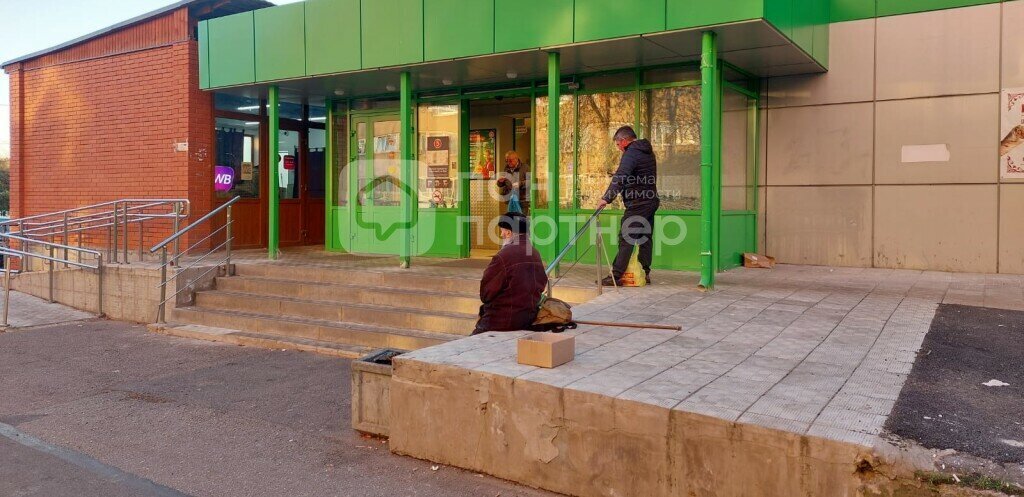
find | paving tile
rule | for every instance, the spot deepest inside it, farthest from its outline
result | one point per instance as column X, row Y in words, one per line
column 775, row 423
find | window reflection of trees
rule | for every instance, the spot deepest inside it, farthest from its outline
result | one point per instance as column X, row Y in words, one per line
column 566, row 160
column 671, row 118
column 600, row 115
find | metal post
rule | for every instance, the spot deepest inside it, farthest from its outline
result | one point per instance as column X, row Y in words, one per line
column 26, row 262
column 554, row 110
column 79, row 236
column 125, row 223
column 599, row 244
column 407, row 172
column 163, row 285
column 7, row 287
column 708, row 97
column 227, row 244
column 99, row 285
column 51, row 273
column 273, row 217
column 141, row 232
column 66, row 240
column 114, row 258
column 109, row 257
column 177, row 216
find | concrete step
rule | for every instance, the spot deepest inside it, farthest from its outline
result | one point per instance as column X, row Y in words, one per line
column 223, row 335
column 325, row 331
column 377, row 315
column 467, row 285
column 351, row 294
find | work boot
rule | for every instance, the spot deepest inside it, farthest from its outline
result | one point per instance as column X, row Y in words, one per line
column 610, row 281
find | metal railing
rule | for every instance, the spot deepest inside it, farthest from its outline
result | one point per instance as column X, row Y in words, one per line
column 108, row 223
column 600, row 256
column 7, row 253
column 165, row 262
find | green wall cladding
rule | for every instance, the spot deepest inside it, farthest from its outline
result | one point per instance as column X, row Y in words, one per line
column 204, row 57
column 332, row 33
column 805, row 22
column 392, row 32
column 551, row 24
column 849, row 10
column 456, row 28
column 600, row 19
column 280, row 42
column 681, row 14
column 232, row 58
column 894, row 7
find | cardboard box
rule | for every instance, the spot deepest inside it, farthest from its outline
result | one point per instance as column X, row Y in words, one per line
column 547, row 350
column 758, row 261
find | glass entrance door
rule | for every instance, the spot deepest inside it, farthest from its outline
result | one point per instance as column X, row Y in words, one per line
column 379, row 190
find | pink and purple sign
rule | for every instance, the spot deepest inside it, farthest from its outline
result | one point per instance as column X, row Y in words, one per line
column 223, row 178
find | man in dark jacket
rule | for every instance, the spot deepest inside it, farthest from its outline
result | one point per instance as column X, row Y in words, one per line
column 514, row 280
column 637, row 181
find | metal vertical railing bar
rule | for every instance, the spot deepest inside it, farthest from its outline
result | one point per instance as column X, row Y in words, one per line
column 7, row 253
column 166, row 261
column 552, row 267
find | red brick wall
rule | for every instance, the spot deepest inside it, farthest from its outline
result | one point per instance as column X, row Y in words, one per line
column 100, row 129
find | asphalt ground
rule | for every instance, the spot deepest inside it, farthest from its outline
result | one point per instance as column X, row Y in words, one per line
column 944, row 404
column 102, row 408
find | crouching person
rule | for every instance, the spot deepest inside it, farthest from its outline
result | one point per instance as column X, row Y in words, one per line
column 514, row 280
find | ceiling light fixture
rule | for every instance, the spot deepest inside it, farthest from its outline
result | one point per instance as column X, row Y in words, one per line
column 511, row 75
column 390, row 87
column 339, row 93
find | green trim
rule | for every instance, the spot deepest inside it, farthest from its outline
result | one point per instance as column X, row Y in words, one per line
column 329, row 175
column 273, row 209
column 464, row 185
column 754, row 135
column 554, row 114
column 709, row 76
column 406, row 144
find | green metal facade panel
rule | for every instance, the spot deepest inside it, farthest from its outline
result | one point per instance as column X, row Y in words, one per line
column 392, row 32
column 850, row 10
column 738, row 236
column 804, row 22
column 231, row 51
column 280, row 42
column 894, row 7
column 437, row 233
column 456, row 28
column 332, row 36
column 600, row 19
column 204, row 57
column 681, row 14
column 550, row 24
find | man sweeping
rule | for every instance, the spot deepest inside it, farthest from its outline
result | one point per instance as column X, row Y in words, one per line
column 637, row 181
column 514, row 280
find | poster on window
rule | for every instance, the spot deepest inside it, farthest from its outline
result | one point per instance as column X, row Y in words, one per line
column 483, row 145
column 1011, row 134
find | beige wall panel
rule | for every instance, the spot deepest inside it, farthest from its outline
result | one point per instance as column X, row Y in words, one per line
column 945, row 52
column 825, row 225
column 850, row 76
column 937, row 227
column 1013, row 44
column 965, row 125
column 762, row 200
column 1011, row 229
column 820, row 145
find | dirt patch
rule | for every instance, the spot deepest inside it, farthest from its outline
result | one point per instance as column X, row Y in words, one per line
column 945, row 403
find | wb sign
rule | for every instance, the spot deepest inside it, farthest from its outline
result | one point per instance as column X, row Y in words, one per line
column 223, row 178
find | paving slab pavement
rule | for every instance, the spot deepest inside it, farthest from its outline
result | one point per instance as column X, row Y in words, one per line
column 27, row 311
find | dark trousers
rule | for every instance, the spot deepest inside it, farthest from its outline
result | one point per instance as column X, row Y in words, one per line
column 637, row 228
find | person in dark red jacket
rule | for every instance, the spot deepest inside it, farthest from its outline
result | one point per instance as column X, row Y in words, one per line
column 513, row 282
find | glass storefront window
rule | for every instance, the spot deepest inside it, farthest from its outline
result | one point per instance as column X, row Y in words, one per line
column 362, row 155
column 737, row 152
column 233, row 103
column 668, row 75
column 385, row 189
column 288, row 164
column 316, row 158
column 566, row 144
column 670, row 119
column 438, row 163
column 600, row 116
column 237, row 147
column 341, row 144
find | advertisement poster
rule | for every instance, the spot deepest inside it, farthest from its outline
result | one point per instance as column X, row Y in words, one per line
column 483, row 146
column 437, row 156
column 1011, row 134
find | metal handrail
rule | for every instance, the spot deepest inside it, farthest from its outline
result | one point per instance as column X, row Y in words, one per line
column 6, row 253
column 598, row 243
column 164, row 262
column 184, row 201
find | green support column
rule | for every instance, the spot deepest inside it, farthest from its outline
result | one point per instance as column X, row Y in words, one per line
column 273, row 217
column 554, row 109
column 329, row 175
column 708, row 98
column 408, row 179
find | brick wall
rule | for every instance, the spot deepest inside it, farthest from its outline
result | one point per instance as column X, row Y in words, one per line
column 105, row 127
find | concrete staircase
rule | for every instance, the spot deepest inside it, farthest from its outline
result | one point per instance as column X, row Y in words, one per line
column 345, row 311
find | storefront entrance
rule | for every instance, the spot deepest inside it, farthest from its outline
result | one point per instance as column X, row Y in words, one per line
column 375, row 175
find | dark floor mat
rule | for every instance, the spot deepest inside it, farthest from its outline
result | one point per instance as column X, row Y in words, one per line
column 944, row 404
